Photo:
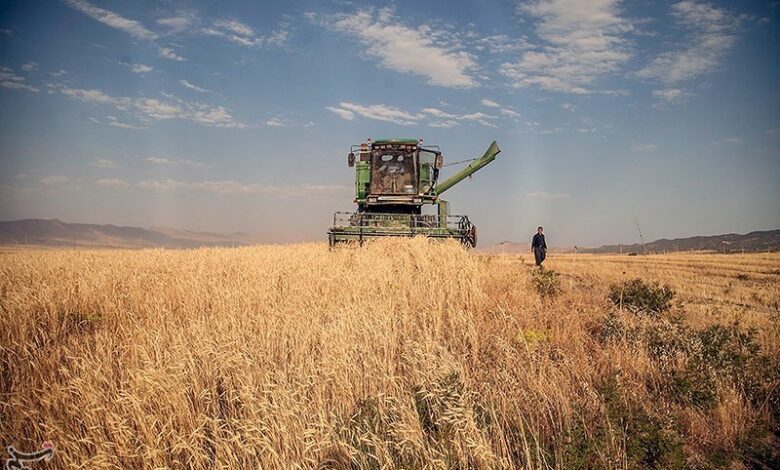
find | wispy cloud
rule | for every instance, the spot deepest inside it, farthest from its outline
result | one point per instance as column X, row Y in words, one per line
column 419, row 50
column 54, row 180
column 381, row 112
column 112, row 183
column 277, row 122
column 342, row 113
column 113, row 121
column 189, row 85
column 153, row 109
column 6, row 32
column 9, row 79
column 544, row 195
column 170, row 54
column 176, row 162
column 582, row 40
column 434, row 116
column 103, row 163
column 30, row 67
column 670, row 95
column 242, row 34
column 729, row 140
column 112, row 19
column 644, row 147
column 443, row 124
column 141, row 68
column 712, row 35
column 504, row 110
column 179, row 22
column 235, row 187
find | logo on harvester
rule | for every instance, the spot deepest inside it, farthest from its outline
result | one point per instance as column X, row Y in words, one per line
column 19, row 459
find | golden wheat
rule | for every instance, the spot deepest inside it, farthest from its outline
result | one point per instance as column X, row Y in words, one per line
column 402, row 353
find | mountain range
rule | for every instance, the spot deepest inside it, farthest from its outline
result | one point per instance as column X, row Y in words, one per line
column 766, row 240
column 54, row 232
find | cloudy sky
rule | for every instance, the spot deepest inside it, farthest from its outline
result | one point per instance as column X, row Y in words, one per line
column 613, row 116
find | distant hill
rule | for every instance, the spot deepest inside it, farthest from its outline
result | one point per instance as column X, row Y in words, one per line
column 768, row 240
column 54, row 232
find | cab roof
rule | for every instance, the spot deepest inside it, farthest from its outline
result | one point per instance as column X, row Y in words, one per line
column 396, row 141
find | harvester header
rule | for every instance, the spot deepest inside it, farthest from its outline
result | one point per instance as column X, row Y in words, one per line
column 394, row 179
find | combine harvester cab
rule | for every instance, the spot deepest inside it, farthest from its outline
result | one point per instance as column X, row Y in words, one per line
column 394, row 179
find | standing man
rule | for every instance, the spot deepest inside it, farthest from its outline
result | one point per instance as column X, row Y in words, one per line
column 539, row 246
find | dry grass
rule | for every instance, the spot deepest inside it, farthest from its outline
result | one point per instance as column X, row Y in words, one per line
column 410, row 354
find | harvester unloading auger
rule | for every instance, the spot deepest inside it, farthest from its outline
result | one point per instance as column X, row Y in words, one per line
column 394, row 178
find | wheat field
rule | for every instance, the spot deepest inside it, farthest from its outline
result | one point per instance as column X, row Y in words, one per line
column 398, row 354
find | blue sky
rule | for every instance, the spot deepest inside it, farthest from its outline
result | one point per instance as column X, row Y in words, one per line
column 237, row 116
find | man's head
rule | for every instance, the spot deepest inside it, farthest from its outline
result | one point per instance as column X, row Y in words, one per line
column 539, row 229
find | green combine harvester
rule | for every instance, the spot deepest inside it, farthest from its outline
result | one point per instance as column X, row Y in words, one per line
column 394, row 179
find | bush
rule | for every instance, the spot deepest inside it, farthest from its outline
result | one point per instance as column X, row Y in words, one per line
column 637, row 296
column 547, row 282
column 649, row 443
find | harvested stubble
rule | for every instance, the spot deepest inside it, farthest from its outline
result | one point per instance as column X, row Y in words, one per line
column 402, row 353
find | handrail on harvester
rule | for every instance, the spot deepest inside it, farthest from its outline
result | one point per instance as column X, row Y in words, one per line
column 473, row 167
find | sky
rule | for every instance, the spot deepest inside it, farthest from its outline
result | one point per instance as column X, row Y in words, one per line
column 615, row 118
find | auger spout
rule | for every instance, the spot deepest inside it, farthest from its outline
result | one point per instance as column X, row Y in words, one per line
column 473, row 167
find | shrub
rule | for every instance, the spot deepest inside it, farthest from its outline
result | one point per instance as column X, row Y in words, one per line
column 639, row 297
column 547, row 282
column 648, row 442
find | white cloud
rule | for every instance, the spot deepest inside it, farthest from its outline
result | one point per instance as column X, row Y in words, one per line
column 189, row 85
column 543, row 195
column 670, row 95
column 490, row 103
column 112, row 183
column 387, row 113
column 141, row 68
column 713, row 33
column 443, row 124
column 114, row 122
column 177, row 162
column 112, row 19
column 9, row 79
column 235, row 187
column 88, row 96
column 381, row 112
column 729, row 140
column 147, row 109
column 103, row 163
column 7, row 32
column 242, row 34
column 170, row 54
column 644, row 147
column 583, row 40
column 95, row 120
column 438, row 113
column 30, row 67
column 342, row 113
column 59, row 73
column 276, row 122
column 53, row 180
column 419, row 50
column 509, row 112
column 179, row 23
